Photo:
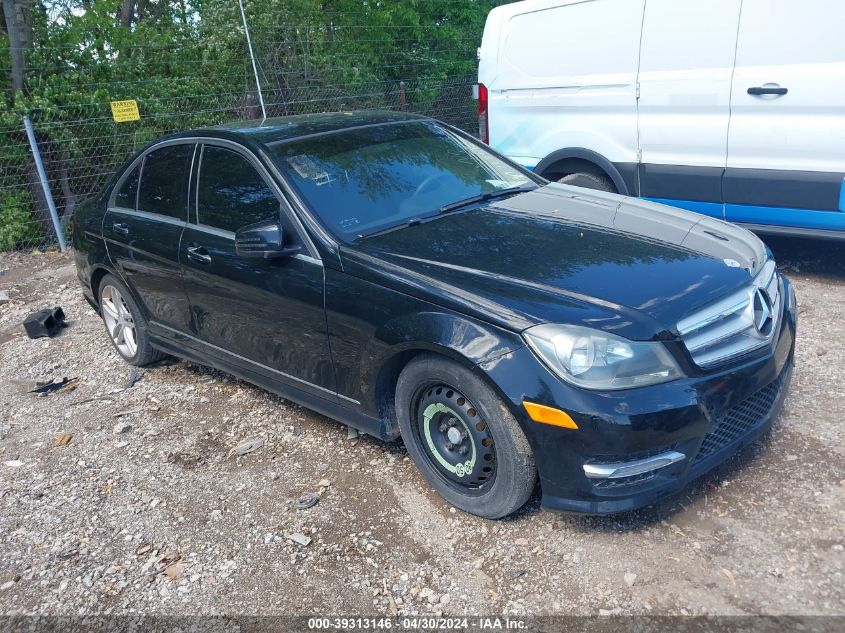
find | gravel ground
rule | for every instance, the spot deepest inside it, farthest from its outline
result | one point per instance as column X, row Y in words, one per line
column 148, row 508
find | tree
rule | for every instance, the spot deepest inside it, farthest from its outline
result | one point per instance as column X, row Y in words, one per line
column 186, row 63
column 17, row 24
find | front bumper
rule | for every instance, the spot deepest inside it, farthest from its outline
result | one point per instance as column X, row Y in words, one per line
column 706, row 418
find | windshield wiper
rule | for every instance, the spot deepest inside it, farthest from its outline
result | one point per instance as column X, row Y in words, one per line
column 390, row 229
column 453, row 206
column 484, row 197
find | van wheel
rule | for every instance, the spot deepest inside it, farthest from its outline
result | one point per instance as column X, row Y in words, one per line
column 463, row 438
column 588, row 181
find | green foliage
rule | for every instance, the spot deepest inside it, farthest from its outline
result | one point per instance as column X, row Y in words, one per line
column 17, row 226
column 186, row 63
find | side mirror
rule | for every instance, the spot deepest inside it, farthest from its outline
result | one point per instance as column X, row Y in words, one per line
column 265, row 240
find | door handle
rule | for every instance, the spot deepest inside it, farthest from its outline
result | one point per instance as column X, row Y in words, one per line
column 767, row 90
column 199, row 254
column 120, row 227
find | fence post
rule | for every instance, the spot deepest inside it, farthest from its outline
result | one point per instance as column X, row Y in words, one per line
column 403, row 102
column 254, row 66
column 45, row 185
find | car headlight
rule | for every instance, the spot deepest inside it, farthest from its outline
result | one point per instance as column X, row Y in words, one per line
column 595, row 360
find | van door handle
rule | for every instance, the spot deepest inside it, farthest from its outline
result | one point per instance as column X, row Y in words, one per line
column 199, row 254
column 120, row 227
column 767, row 90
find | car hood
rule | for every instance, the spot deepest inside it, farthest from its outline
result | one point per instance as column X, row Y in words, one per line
column 565, row 254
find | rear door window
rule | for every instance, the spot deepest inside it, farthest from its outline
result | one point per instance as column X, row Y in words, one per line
column 126, row 195
column 231, row 194
column 164, row 180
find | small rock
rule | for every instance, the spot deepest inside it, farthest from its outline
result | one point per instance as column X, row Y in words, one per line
column 630, row 578
column 791, row 458
column 7, row 585
column 4, row 297
column 300, row 539
column 445, row 598
column 248, row 446
column 121, row 427
column 522, row 542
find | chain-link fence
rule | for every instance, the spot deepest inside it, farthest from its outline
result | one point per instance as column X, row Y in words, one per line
column 335, row 62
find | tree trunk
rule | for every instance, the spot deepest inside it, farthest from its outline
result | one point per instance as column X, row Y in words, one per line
column 18, row 18
column 127, row 12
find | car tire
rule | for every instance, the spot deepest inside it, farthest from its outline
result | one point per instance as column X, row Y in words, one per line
column 463, row 438
column 124, row 323
column 588, row 181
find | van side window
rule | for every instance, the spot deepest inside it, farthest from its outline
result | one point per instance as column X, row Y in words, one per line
column 125, row 197
column 164, row 181
column 231, row 194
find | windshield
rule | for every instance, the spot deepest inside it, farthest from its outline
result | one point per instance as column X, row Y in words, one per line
column 363, row 181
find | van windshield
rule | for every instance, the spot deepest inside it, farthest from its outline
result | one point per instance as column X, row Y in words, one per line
column 366, row 180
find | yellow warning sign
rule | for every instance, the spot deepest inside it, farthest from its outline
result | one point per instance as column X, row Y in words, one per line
column 123, row 111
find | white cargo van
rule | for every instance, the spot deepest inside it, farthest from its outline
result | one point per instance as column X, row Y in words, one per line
column 732, row 108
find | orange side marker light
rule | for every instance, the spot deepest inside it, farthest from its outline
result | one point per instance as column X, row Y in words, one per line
column 549, row 415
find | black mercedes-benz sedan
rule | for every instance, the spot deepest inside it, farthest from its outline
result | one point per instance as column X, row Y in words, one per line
column 395, row 274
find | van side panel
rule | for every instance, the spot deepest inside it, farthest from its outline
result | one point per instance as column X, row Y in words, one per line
column 786, row 152
column 686, row 63
column 565, row 77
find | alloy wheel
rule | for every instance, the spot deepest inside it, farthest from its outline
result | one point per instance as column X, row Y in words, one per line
column 119, row 321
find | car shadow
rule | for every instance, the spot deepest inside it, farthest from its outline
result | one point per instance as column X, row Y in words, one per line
column 808, row 256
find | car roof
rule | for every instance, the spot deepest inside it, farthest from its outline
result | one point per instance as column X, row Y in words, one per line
column 297, row 126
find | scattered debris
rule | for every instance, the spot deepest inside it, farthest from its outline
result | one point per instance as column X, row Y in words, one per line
column 143, row 549
column 246, row 447
column 299, row 538
column 46, row 322
column 135, row 375
column 308, row 500
column 175, row 570
column 121, row 414
column 68, row 384
column 62, row 439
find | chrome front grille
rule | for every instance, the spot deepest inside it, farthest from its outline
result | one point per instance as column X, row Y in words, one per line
column 730, row 327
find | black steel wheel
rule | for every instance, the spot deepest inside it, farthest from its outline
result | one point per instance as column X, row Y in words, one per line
column 454, row 437
column 463, row 438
